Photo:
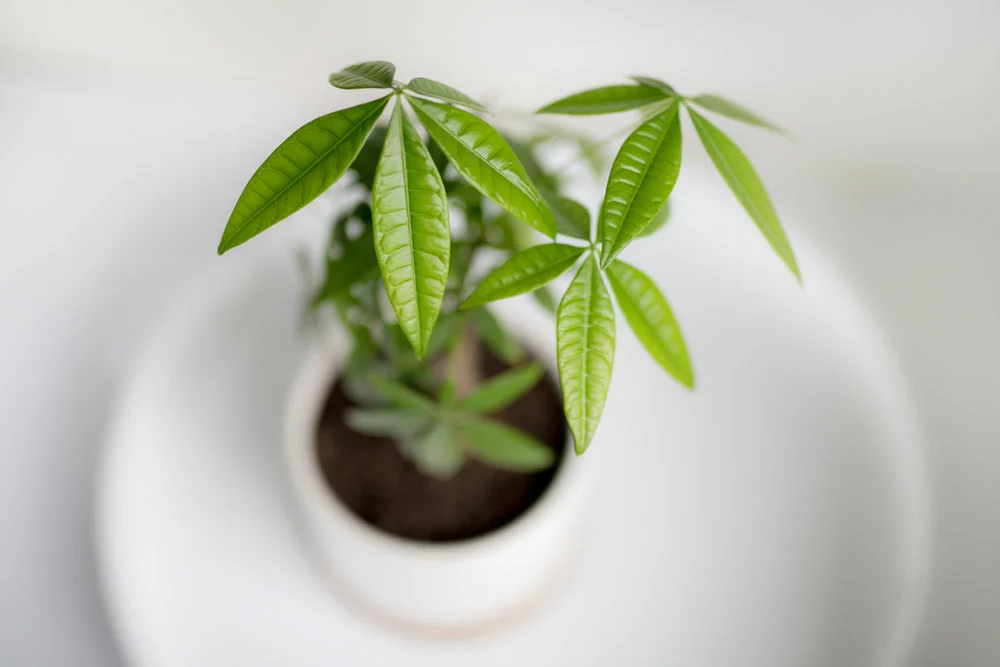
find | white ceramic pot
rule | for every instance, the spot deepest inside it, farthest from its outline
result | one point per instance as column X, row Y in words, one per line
column 442, row 588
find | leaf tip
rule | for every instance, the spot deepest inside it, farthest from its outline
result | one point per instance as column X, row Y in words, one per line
column 420, row 351
column 687, row 380
column 469, row 303
column 547, row 461
column 793, row 266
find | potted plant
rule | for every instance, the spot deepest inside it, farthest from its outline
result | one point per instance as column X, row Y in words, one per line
column 432, row 445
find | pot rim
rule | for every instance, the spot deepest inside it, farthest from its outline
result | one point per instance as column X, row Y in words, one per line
column 305, row 401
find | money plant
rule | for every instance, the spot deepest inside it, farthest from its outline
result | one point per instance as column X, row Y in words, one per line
column 458, row 216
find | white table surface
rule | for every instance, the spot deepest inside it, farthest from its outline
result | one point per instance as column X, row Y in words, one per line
column 115, row 187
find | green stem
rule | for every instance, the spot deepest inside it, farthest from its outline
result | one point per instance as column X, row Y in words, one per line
column 453, row 363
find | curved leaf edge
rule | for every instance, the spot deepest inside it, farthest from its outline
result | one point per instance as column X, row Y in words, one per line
column 683, row 373
column 227, row 242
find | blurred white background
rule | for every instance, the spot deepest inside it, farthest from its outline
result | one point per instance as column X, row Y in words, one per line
column 127, row 128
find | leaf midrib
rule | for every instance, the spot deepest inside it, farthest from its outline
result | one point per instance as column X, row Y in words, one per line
column 483, row 161
column 568, row 261
column 608, row 105
column 625, row 288
column 586, row 349
column 723, row 163
column 377, row 109
column 368, row 79
column 735, row 112
column 642, row 178
column 409, row 222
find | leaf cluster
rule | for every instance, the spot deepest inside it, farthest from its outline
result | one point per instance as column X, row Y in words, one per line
column 400, row 270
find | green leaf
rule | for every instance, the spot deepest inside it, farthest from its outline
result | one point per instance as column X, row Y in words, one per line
column 400, row 395
column 357, row 263
column 654, row 83
column 388, row 422
column 590, row 151
column 437, row 454
column 659, row 220
column 444, row 333
column 585, row 347
column 299, row 170
column 742, row 179
column 366, row 162
column 504, row 446
column 483, row 157
column 412, row 232
column 502, row 232
column 444, row 93
column 608, row 99
column 546, row 299
column 642, row 177
column 339, row 237
column 648, row 314
column 371, row 74
column 572, row 217
column 363, row 353
column 501, row 390
column 495, row 337
column 523, row 272
column 732, row 110
column 538, row 174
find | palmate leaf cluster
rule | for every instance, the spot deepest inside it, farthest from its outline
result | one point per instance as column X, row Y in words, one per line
column 399, row 269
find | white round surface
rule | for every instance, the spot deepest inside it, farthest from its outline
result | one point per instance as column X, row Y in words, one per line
column 776, row 516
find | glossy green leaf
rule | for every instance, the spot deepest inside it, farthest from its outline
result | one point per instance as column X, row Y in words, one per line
column 654, row 83
column 501, row 390
column 648, row 314
column 299, row 170
column 642, row 177
column 661, row 218
column 504, row 446
column 371, row 74
column 523, row 272
column 389, row 422
column 444, row 93
column 732, row 110
column 412, row 232
column 357, row 263
column 438, row 453
column 483, row 157
column 608, row 99
column 572, row 217
column 585, row 346
column 495, row 337
column 742, row 179
column 400, row 395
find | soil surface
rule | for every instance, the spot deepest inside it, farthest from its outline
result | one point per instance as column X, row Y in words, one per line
column 383, row 488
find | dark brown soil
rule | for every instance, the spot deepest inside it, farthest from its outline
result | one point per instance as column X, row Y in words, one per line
column 382, row 487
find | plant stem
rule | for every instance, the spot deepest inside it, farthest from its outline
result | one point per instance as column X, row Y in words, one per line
column 460, row 375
